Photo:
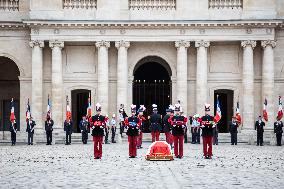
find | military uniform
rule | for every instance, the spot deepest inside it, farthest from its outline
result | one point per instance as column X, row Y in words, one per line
column 215, row 134
column 48, row 129
column 107, row 130
column 259, row 127
column 278, row 130
column 113, row 128
column 122, row 116
column 68, row 128
column 84, row 127
column 30, row 130
column 13, row 130
column 233, row 128
column 155, row 124
column 142, row 120
column 167, row 126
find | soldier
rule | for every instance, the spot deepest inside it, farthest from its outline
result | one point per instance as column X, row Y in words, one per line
column 155, row 122
column 215, row 134
column 30, row 130
column 13, row 130
column 113, row 128
column 178, row 124
column 207, row 125
column 195, row 129
column 233, row 128
column 48, row 129
column 68, row 127
column 98, row 123
column 84, row 126
column 107, row 127
column 132, row 124
column 167, row 125
column 259, row 127
column 122, row 116
column 185, row 129
column 278, row 125
column 142, row 122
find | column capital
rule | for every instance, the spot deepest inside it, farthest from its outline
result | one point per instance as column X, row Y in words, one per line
column 122, row 43
column 182, row 43
column 202, row 43
column 102, row 44
column 266, row 43
column 34, row 43
column 56, row 43
column 246, row 43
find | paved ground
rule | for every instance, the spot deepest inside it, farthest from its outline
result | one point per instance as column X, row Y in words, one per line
column 61, row 166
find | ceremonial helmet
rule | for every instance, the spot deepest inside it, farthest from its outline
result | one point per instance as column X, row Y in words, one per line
column 155, row 107
column 133, row 108
column 207, row 107
column 177, row 107
column 141, row 108
column 98, row 107
column 171, row 108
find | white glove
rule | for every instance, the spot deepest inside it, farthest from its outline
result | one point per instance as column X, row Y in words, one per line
column 81, row 131
column 101, row 127
column 93, row 127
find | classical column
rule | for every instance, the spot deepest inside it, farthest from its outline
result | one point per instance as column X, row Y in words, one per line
column 181, row 82
column 57, row 83
column 103, row 82
column 268, row 79
column 122, row 73
column 37, row 82
column 201, row 76
column 248, row 84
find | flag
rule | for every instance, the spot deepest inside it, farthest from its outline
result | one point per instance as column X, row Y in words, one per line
column 48, row 108
column 265, row 115
column 218, row 115
column 68, row 109
column 28, row 111
column 12, row 115
column 280, row 109
column 89, row 109
column 238, row 114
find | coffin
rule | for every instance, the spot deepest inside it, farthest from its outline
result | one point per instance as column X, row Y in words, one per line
column 159, row 150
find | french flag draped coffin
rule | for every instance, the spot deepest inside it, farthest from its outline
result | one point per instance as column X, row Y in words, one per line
column 12, row 115
column 265, row 115
column 159, row 150
column 218, row 115
column 238, row 114
column 280, row 109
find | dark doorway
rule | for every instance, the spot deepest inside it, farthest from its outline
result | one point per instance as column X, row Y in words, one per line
column 226, row 104
column 152, row 84
column 9, row 88
column 79, row 106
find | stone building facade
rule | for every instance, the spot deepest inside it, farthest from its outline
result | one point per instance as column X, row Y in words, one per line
column 230, row 48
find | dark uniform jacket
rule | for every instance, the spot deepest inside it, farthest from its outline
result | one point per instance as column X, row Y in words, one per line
column 98, row 122
column 207, row 122
column 278, row 127
column 133, row 126
column 142, row 122
column 30, row 126
column 68, row 127
column 167, row 124
column 49, row 125
column 156, row 122
column 13, row 127
column 233, row 127
column 178, row 124
column 84, row 126
column 259, row 126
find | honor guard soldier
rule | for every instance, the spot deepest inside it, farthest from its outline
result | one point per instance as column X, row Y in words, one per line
column 185, row 129
column 113, row 128
column 195, row 129
column 155, row 124
column 48, row 129
column 167, row 125
column 178, row 124
column 13, row 130
column 278, row 130
column 122, row 116
column 98, row 124
column 141, row 126
column 84, row 127
column 207, row 126
column 68, row 127
column 132, row 124
column 233, row 128
column 259, row 127
column 30, row 130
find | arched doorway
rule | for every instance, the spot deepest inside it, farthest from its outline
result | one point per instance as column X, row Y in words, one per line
column 9, row 88
column 226, row 98
column 79, row 106
column 152, row 83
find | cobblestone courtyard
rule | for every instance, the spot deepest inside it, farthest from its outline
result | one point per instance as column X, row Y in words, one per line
column 61, row 166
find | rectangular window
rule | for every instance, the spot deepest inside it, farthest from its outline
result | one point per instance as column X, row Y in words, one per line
column 152, row 4
column 225, row 4
column 79, row 4
column 9, row 5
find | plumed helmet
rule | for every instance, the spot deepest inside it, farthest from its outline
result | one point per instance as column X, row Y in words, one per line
column 133, row 108
column 98, row 107
column 177, row 107
column 155, row 107
column 141, row 108
column 207, row 107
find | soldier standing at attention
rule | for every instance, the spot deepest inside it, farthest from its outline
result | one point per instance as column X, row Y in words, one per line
column 233, row 128
column 155, row 122
column 259, row 127
column 84, row 126
column 167, row 125
column 30, row 130
column 48, row 129
column 13, row 130
column 142, row 122
column 113, row 128
column 68, row 127
column 278, row 130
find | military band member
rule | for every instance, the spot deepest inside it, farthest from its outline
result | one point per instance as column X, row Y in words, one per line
column 167, row 125
column 48, row 129
column 259, row 127
column 84, row 127
column 122, row 116
column 107, row 128
column 68, row 128
column 113, row 128
column 233, row 128
column 207, row 125
column 178, row 124
column 155, row 124
column 30, row 130
column 98, row 124
column 142, row 122
column 278, row 130
column 132, row 124
column 13, row 130
column 195, row 129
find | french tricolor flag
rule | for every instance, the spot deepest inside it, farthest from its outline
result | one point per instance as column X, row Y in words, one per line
column 89, row 109
column 238, row 114
column 28, row 111
column 280, row 109
column 48, row 108
column 218, row 115
column 12, row 115
column 265, row 115
column 68, row 109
